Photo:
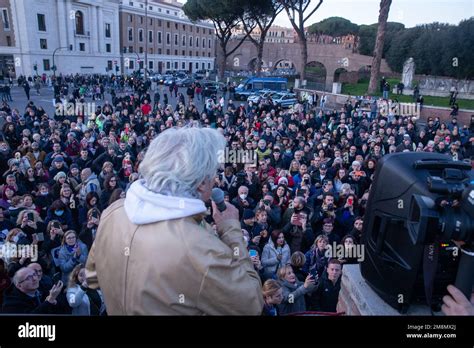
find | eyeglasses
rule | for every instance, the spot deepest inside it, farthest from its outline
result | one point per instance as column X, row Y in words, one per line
column 29, row 278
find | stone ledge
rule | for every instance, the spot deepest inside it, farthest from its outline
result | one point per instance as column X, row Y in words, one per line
column 357, row 297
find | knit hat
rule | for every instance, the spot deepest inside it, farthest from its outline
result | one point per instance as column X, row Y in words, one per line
column 59, row 176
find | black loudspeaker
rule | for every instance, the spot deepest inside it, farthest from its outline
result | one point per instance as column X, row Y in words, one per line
column 412, row 200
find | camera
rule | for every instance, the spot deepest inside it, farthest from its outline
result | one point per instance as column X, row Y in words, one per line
column 410, row 228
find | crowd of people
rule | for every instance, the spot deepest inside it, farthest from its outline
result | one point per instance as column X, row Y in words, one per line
column 306, row 191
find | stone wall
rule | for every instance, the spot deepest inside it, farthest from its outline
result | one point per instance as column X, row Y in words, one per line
column 441, row 86
column 338, row 100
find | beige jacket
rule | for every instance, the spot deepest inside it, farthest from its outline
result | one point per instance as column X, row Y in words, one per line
column 172, row 267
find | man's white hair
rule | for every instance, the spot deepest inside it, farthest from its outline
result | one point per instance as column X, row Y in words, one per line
column 180, row 159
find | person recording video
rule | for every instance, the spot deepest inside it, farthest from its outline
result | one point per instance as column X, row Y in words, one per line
column 154, row 254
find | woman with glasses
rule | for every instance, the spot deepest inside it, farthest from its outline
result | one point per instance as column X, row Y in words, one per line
column 72, row 252
column 110, row 184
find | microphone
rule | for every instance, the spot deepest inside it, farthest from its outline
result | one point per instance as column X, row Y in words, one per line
column 218, row 197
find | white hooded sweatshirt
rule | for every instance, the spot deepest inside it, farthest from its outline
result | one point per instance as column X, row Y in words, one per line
column 144, row 206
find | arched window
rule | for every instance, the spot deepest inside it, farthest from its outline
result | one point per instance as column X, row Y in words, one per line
column 79, row 23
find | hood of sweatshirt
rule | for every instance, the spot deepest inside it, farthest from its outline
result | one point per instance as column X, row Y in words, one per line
column 144, row 206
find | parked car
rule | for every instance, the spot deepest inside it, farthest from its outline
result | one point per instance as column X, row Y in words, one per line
column 157, row 78
column 185, row 82
column 258, row 96
column 284, row 100
column 169, row 81
column 209, row 88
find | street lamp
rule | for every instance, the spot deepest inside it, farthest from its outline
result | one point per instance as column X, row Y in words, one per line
column 54, row 53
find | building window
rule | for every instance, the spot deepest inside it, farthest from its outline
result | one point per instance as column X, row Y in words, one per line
column 6, row 19
column 167, row 24
column 140, row 64
column 176, row 65
column 130, row 3
column 197, row 30
column 183, row 65
column 150, row 36
column 190, row 53
column 150, row 64
column 130, row 18
column 210, row 31
column 43, row 44
column 176, row 26
column 203, row 66
column 183, row 52
column 208, row 65
column 130, row 34
column 203, row 43
column 159, row 36
column 209, row 54
column 168, row 65
column 197, row 65
column 108, row 48
column 168, row 52
column 190, row 41
column 209, row 43
column 151, row 21
column 130, row 49
column 184, row 27
column 159, row 51
column 131, row 64
column 109, row 65
column 183, row 42
column 175, row 52
column 141, row 19
column 197, row 42
column 79, row 23
column 176, row 39
column 82, row 46
column 150, row 50
column 159, row 22
column 41, row 22
column 168, row 38
column 46, row 66
column 9, row 40
column 167, row 11
column 140, row 35
column 107, row 30
column 140, row 49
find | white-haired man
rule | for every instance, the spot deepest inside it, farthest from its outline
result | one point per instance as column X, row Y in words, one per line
column 155, row 255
